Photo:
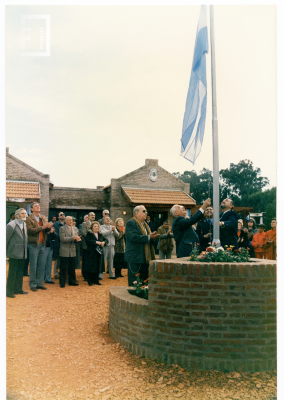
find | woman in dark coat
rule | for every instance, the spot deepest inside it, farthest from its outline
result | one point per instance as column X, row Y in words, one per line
column 118, row 261
column 95, row 242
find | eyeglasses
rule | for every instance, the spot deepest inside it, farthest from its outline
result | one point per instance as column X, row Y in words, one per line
column 144, row 211
column 60, row 215
column 106, row 213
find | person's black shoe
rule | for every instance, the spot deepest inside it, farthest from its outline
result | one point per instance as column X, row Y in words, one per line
column 73, row 284
column 120, row 276
column 42, row 287
column 62, row 285
column 51, row 282
column 10, row 295
column 98, row 283
column 112, row 277
column 21, row 292
column 90, row 284
column 34, row 289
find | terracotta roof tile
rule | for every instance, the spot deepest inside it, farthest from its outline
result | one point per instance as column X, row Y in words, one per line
column 22, row 190
column 154, row 196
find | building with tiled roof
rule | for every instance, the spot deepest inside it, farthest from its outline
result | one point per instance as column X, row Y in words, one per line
column 150, row 185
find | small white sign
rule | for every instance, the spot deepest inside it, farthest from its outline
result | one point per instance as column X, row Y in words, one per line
column 153, row 174
column 35, row 35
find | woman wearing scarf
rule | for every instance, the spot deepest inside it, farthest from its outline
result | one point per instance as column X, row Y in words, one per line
column 119, row 248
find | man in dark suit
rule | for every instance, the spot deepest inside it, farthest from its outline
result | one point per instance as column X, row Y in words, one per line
column 84, row 230
column 185, row 236
column 139, row 249
column 204, row 229
column 228, row 224
column 56, row 245
column 150, row 223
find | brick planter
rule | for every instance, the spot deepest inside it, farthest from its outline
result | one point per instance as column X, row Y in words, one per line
column 201, row 316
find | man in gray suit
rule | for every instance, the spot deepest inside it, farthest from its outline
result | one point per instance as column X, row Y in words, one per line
column 67, row 253
column 17, row 244
column 105, row 215
column 85, row 226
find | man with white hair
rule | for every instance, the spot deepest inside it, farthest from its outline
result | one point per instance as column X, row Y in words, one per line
column 37, row 226
column 139, row 249
column 86, row 218
column 105, row 215
column 184, row 234
column 16, row 245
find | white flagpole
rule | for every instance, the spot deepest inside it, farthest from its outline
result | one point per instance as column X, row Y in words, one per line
column 216, row 200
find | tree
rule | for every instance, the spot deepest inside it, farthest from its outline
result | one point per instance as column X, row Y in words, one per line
column 242, row 180
column 237, row 183
column 201, row 185
column 264, row 202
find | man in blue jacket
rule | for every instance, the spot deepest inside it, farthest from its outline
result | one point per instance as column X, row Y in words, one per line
column 184, row 234
column 139, row 249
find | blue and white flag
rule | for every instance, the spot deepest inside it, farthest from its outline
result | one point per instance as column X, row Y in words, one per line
column 196, row 102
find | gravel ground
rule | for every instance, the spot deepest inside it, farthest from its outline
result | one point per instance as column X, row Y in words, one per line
column 59, row 347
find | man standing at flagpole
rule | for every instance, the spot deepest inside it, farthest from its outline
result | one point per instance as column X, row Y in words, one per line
column 185, row 236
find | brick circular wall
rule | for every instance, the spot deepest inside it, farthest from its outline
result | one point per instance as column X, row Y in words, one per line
column 201, row 316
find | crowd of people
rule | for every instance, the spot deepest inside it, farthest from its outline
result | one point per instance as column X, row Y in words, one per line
column 32, row 240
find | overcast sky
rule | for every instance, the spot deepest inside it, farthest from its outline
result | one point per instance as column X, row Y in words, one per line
column 113, row 90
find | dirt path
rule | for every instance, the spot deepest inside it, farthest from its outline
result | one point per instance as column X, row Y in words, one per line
column 59, row 347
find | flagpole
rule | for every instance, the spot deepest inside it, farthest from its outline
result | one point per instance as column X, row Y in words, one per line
column 216, row 200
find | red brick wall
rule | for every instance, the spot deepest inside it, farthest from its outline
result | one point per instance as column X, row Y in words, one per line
column 201, row 316
column 61, row 197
